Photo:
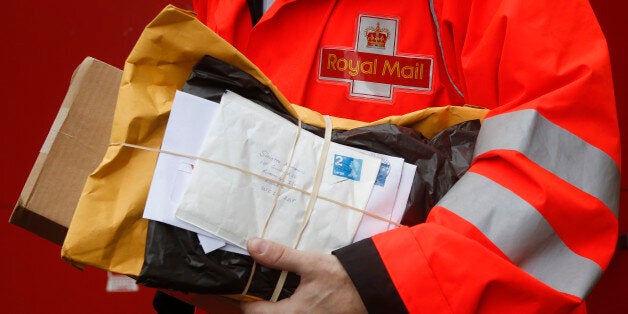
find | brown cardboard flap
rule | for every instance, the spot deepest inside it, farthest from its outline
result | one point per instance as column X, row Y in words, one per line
column 38, row 224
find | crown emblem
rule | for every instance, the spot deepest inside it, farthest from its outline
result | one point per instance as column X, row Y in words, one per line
column 376, row 37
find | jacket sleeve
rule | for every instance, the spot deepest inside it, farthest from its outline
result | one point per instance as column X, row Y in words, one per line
column 533, row 224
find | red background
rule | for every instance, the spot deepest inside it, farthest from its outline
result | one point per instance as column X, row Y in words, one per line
column 42, row 42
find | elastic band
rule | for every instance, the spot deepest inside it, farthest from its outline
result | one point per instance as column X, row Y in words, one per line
column 318, row 178
column 156, row 150
column 272, row 210
column 248, row 282
column 283, row 178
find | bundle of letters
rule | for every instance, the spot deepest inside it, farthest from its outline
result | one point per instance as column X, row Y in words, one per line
column 234, row 170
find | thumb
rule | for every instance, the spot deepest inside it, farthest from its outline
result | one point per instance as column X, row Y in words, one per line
column 277, row 256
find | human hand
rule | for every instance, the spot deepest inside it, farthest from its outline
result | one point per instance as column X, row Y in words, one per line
column 325, row 286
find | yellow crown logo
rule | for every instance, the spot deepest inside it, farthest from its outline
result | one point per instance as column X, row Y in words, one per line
column 376, row 37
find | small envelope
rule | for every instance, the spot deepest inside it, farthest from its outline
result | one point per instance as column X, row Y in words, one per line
column 186, row 129
column 382, row 200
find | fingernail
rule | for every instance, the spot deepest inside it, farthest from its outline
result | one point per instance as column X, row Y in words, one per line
column 257, row 245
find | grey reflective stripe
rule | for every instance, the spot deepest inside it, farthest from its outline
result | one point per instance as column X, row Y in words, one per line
column 440, row 47
column 521, row 233
column 555, row 149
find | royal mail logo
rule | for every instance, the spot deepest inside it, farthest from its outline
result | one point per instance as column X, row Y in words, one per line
column 372, row 68
column 409, row 72
column 376, row 37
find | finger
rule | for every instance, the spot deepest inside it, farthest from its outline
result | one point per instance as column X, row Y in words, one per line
column 277, row 256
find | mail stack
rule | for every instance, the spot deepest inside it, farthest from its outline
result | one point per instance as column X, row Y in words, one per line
column 235, row 170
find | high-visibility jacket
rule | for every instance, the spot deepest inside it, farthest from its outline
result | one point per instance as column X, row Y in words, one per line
column 533, row 224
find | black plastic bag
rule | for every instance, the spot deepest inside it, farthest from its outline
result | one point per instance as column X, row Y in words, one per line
column 175, row 260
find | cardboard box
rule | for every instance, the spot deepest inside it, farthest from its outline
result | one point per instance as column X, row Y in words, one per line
column 75, row 146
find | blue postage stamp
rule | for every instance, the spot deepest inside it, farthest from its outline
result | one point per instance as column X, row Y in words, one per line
column 347, row 167
column 384, row 170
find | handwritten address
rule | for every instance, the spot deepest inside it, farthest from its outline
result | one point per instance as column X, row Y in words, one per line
column 273, row 167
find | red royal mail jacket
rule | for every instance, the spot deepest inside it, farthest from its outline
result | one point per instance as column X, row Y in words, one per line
column 533, row 224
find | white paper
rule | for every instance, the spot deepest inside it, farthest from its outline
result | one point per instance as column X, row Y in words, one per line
column 209, row 243
column 405, row 186
column 382, row 199
column 120, row 283
column 235, row 205
column 187, row 126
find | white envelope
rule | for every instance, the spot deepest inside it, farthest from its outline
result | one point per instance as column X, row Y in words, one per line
column 405, row 186
column 235, row 205
column 187, row 126
column 382, row 200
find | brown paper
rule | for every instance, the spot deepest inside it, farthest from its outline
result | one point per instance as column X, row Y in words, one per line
column 107, row 230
